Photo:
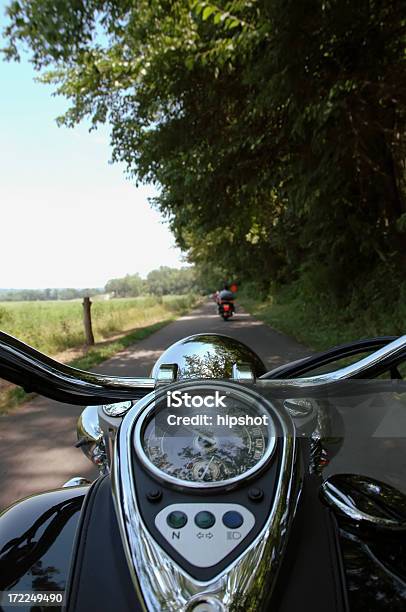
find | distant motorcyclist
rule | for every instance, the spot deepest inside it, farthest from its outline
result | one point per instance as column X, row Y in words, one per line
column 225, row 294
column 225, row 302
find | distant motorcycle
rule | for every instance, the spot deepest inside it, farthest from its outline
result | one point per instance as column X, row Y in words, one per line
column 225, row 304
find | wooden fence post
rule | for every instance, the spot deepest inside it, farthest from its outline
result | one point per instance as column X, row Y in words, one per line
column 87, row 321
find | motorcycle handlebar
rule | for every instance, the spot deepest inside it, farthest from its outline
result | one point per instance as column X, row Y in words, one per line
column 35, row 372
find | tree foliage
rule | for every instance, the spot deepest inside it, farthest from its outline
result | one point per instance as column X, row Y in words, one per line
column 165, row 280
column 130, row 285
column 274, row 128
column 162, row 281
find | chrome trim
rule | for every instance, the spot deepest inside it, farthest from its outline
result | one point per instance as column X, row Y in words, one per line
column 299, row 407
column 389, row 503
column 167, row 373
column 186, row 484
column 240, row 586
column 88, row 427
column 91, row 439
column 355, row 370
column 243, row 372
column 76, row 481
column 118, row 409
column 203, row 603
column 337, row 500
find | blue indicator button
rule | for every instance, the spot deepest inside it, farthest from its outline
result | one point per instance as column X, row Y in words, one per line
column 233, row 519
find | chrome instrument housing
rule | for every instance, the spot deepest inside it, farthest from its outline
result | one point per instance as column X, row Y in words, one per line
column 162, row 583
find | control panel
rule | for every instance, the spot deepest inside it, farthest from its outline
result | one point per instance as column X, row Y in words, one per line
column 204, row 533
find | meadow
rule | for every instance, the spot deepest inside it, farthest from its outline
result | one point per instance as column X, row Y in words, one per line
column 55, row 326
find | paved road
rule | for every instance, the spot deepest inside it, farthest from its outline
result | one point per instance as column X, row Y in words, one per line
column 36, row 439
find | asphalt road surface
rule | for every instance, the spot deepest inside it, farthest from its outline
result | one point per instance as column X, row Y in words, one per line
column 37, row 439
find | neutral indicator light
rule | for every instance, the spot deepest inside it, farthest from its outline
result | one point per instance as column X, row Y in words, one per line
column 176, row 519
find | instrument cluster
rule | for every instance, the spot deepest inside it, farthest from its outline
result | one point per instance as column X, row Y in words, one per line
column 205, row 437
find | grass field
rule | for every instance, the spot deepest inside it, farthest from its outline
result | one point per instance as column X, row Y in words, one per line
column 53, row 327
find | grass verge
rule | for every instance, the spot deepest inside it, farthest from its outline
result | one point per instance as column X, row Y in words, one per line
column 321, row 325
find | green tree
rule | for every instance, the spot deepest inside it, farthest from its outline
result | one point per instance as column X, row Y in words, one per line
column 275, row 128
column 130, row 285
column 165, row 280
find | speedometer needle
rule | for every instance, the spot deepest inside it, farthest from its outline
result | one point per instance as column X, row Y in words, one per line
column 207, row 467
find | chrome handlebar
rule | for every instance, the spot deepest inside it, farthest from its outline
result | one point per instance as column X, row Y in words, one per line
column 35, row 372
column 382, row 359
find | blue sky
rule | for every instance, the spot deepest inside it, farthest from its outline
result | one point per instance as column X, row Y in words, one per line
column 68, row 217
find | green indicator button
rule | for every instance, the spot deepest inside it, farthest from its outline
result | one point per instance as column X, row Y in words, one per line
column 176, row 519
column 205, row 519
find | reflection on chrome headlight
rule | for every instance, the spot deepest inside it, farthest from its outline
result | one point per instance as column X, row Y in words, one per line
column 90, row 438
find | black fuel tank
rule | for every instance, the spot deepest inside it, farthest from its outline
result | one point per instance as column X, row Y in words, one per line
column 36, row 541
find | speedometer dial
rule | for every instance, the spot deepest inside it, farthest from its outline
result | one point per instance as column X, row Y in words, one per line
column 209, row 446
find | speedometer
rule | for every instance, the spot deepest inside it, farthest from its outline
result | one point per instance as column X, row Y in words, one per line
column 198, row 442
